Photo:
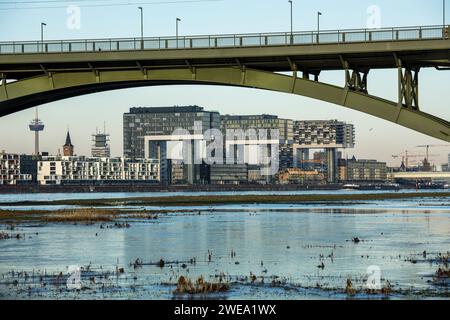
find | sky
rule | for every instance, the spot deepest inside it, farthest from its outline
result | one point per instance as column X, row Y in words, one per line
column 375, row 138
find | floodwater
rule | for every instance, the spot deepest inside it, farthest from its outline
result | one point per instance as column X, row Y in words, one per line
column 294, row 252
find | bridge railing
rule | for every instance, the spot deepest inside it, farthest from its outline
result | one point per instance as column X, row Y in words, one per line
column 228, row 41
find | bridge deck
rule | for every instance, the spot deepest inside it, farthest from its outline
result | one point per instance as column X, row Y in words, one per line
column 312, row 52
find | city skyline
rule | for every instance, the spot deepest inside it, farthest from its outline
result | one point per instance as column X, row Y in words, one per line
column 86, row 113
column 83, row 139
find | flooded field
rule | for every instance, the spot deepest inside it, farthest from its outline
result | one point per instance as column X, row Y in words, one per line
column 396, row 249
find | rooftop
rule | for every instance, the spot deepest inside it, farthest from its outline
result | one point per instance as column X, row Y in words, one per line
column 173, row 109
column 249, row 117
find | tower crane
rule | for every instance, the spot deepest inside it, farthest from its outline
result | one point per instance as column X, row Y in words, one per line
column 428, row 146
column 406, row 155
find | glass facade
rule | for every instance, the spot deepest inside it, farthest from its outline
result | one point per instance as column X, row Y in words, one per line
column 265, row 122
column 162, row 121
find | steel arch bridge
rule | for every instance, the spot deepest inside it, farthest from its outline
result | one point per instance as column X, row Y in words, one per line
column 54, row 70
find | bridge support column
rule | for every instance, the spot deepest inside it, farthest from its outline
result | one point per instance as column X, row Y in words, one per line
column 331, row 157
column 355, row 80
column 3, row 83
column 408, row 86
column 294, row 73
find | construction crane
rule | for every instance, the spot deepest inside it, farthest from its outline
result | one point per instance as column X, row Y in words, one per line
column 406, row 155
column 428, row 146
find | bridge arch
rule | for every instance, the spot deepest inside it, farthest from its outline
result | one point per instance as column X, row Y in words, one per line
column 29, row 92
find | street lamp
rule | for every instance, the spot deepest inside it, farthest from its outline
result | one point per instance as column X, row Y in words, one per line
column 42, row 35
column 142, row 27
column 443, row 12
column 292, row 26
column 178, row 20
column 318, row 24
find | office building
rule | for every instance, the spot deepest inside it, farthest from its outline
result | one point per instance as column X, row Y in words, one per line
column 265, row 123
column 156, row 132
column 257, row 122
column 151, row 133
column 319, row 134
column 324, row 132
column 228, row 174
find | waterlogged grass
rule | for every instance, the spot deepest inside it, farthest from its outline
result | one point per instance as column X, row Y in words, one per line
column 84, row 215
column 81, row 215
column 103, row 210
column 230, row 199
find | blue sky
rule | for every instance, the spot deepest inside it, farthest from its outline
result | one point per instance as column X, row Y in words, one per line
column 84, row 114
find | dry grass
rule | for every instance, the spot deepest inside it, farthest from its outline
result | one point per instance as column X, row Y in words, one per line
column 442, row 272
column 200, row 287
column 88, row 215
column 349, row 289
column 81, row 215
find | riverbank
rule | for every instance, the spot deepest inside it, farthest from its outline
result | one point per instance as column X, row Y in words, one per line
column 20, row 189
column 208, row 200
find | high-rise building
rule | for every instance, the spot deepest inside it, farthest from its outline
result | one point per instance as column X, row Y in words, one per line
column 332, row 133
column 68, row 147
column 322, row 134
column 149, row 133
column 264, row 122
column 100, row 147
column 36, row 126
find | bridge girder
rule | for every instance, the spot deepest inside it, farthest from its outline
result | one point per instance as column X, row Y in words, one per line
column 26, row 93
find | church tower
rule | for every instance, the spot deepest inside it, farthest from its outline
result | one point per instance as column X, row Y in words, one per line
column 68, row 147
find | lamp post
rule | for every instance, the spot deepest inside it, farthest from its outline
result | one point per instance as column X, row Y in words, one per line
column 178, row 20
column 142, row 27
column 42, row 35
column 292, row 24
column 318, row 24
column 443, row 12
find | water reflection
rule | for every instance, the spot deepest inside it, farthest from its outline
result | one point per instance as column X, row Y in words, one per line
column 269, row 240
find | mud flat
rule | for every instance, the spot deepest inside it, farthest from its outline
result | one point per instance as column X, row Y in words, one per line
column 181, row 201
